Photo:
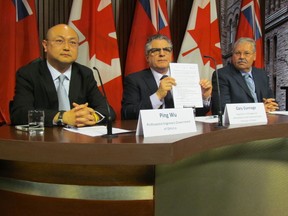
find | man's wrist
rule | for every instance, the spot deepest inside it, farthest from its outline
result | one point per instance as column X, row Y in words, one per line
column 207, row 101
column 96, row 117
column 60, row 121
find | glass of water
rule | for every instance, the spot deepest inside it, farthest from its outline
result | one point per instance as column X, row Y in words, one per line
column 36, row 121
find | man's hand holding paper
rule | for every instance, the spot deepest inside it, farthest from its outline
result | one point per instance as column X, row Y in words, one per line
column 165, row 85
column 188, row 92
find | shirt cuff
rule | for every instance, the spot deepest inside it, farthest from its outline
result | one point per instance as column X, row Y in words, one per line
column 206, row 102
column 101, row 117
column 156, row 103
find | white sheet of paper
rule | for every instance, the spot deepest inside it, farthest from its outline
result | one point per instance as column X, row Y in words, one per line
column 279, row 112
column 96, row 130
column 187, row 92
column 207, row 119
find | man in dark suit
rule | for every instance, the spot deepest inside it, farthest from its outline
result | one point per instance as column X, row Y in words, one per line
column 37, row 83
column 147, row 89
column 233, row 86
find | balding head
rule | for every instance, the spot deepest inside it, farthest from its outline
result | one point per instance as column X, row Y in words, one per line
column 61, row 46
column 61, row 28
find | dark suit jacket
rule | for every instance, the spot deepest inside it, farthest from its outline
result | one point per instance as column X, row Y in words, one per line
column 138, row 87
column 233, row 88
column 35, row 89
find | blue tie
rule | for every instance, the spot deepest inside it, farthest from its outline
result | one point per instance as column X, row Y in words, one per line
column 63, row 99
column 251, row 85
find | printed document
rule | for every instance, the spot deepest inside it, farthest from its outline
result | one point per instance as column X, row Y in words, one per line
column 187, row 92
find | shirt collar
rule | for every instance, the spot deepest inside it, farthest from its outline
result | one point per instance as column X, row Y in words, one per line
column 158, row 76
column 249, row 72
column 55, row 73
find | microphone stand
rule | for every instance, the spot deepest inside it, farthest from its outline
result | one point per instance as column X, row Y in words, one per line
column 109, row 134
column 220, row 120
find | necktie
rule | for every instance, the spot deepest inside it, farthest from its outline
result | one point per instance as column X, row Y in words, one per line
column 63, row 99
column 168, row 100
column 251, row 85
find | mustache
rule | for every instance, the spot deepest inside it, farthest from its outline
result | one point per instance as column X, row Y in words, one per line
column 242, row 61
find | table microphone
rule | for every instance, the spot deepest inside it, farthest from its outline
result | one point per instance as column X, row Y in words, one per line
column 109, row 118
column 220, row 121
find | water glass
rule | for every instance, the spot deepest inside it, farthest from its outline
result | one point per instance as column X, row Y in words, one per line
column 36, row 121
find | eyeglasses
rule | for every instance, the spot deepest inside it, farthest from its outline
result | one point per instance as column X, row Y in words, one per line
column 157, row 51
column 61, row 42
column 245, row 54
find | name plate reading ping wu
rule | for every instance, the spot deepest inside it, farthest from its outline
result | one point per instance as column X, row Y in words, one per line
column 159, row 122
column 245, row 113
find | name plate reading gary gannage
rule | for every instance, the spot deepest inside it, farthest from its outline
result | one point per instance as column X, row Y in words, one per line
column 245, row 113
column 159, row 122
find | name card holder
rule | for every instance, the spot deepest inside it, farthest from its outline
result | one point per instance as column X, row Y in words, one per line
column 245, row 113
column 161, row 122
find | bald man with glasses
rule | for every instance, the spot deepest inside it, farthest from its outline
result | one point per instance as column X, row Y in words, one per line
column 151, row 88
column 64, row 89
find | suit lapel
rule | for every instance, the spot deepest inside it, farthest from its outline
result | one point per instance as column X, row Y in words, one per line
column 150, row 81
column 241, row 81
column 258, row 84
column 50, row 86
column 48, row 83
column 74, row 88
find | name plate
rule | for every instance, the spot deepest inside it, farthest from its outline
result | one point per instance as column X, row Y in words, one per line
column 245, row 113
column 159, row 122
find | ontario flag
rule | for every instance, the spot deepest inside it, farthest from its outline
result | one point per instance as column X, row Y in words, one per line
column 150, row 17
column 250, row 26
column 19, row 46
column 94, row 22
column 202, row 38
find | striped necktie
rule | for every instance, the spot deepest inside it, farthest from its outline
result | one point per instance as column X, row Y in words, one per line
column 251, row 85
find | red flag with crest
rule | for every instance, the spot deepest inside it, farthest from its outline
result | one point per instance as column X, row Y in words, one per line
column 250, row 26
column 150, row 17
column 202, row 38
column 94, row 22
column 19, row 46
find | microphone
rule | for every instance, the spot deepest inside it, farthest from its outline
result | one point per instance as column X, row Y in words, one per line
column 220, row 120
column 109, row 118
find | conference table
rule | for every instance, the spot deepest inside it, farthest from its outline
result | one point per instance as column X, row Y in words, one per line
column 233, row 170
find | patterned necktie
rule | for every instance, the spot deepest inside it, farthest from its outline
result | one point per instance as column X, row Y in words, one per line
column 251, row 85
column 168, row 100
column 63, row 99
